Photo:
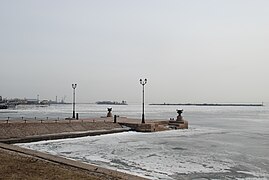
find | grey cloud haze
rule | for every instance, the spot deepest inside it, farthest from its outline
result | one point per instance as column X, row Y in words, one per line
column 190, row 51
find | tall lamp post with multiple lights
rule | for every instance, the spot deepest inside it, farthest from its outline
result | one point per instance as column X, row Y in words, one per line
column 143, row 83
column 74, row 87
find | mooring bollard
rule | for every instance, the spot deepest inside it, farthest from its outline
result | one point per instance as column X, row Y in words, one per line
column 77, row 116
column 115, row 118
column 41, row 121
column 7, row 119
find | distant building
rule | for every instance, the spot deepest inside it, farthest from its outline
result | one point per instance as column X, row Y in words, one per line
column 32, row 101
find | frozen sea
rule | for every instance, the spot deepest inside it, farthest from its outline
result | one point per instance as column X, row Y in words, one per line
column 221, row 142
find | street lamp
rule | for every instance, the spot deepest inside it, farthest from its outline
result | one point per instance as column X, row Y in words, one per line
column 143, row 83
column 74, row 87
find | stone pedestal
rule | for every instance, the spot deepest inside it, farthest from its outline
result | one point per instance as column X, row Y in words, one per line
column 179, row 118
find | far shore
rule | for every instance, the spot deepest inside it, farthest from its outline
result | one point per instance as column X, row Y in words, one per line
column 209, row 104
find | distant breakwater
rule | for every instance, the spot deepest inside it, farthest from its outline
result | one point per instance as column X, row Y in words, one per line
column 208, row 104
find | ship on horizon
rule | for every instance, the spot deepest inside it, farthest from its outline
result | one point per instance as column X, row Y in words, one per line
column 112, row 102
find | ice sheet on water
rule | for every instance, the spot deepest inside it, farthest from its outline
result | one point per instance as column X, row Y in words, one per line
column 158, row 155
column 146, row 153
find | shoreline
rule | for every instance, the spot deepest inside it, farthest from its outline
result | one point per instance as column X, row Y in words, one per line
column 24, row 131
column 65, row 135
column 93, row 170
column 20, row 132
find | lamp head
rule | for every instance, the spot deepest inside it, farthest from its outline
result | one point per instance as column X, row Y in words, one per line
column 74, row 86
column 143, row 82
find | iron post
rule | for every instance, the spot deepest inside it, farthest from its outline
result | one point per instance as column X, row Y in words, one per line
column 74, row 102
column 143, row 83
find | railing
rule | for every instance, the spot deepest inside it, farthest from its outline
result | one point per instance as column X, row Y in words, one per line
column 24, row 119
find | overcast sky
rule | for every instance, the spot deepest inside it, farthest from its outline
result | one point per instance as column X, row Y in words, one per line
column 190, row 50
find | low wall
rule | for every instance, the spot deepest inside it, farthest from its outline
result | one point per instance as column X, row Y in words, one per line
column 29, row 132
column 62, row 136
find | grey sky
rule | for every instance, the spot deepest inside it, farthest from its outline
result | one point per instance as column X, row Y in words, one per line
column 190, row 51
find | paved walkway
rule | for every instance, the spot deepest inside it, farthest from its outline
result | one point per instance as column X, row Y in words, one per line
column 99, row 171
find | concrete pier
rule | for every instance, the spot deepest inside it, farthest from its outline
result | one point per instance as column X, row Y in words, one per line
column 152, row 125
column 32, row 130
column 22, row 131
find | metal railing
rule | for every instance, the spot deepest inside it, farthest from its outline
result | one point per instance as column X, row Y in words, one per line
column 24, row 119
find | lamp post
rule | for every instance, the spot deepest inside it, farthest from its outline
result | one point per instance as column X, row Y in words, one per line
column 143, row 83
column 74, row 87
